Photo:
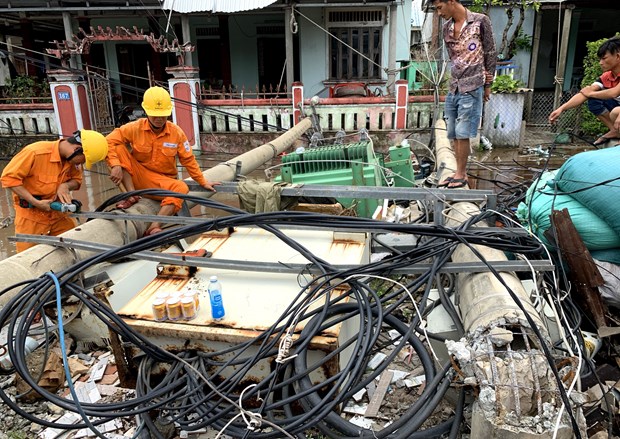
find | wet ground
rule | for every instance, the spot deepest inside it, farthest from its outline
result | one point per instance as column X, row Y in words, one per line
column 500, row 164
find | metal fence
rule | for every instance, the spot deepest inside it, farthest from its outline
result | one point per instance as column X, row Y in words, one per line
column 539, row 130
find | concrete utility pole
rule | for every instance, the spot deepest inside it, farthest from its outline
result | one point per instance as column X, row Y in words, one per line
column 501, row 354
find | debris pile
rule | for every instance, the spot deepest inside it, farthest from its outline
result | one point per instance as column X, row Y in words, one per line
column 95, row 380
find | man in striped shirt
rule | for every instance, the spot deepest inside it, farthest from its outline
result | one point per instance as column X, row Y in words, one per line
column 471, row 48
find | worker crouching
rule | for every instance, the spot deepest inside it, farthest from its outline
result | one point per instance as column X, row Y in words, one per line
column 42, row 176
column 143, row 155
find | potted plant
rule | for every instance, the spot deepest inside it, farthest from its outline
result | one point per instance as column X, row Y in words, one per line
column 503, row 113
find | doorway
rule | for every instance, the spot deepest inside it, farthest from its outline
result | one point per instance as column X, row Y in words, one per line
column 133, row 71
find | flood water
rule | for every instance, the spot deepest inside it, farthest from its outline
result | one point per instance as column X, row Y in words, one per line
column 505, row 165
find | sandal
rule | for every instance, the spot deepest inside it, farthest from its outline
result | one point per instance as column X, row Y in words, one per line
column 457, row 183
column 128, row 202
column 446, row 182
column 604, row 139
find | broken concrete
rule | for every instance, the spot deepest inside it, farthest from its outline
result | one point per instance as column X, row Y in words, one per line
column 518, row 395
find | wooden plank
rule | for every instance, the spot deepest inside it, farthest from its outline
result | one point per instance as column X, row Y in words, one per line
column 379, row 394
column 583, row 271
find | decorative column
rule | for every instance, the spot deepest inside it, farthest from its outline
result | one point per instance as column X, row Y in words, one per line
column 71, row 105
column 298, row 100
column 184, row 90
column 402, row 96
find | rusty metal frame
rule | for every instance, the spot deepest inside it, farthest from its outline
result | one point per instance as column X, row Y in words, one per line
column 81, row 46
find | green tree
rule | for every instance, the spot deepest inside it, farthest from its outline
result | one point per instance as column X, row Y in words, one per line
column 591, row 70
column 511, row 41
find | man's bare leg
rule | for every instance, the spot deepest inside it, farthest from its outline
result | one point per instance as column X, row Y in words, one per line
column 613, row 115
column 609, row 123
column 461, row 153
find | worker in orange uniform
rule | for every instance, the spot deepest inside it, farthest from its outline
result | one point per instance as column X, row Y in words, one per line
column 152, row 162
column 48, row 171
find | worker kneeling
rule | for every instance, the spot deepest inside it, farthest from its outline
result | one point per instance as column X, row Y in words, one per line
column 151, row 162
column 42, row 176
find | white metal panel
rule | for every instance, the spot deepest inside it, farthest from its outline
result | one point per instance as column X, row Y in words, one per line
column 253, row 300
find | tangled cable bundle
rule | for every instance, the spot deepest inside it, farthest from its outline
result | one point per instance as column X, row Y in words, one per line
column 210, row 389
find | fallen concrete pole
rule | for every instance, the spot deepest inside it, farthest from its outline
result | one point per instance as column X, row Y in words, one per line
column 42, row 258
column 501, row 355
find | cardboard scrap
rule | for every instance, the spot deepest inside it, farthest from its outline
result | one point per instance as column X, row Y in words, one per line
column 109, row 379
column 53, row 374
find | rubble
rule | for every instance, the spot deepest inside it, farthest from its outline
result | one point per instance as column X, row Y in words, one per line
column 89, row 386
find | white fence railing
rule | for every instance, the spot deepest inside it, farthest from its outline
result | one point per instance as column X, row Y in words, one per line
column 27, row 120
column 245, row 119
column 350, row 117
column 331, row 117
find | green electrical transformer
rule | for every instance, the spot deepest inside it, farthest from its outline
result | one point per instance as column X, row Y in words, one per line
column 353, row 164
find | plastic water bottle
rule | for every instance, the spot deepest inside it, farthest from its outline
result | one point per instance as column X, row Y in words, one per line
column 486, row 143
column 215, row 296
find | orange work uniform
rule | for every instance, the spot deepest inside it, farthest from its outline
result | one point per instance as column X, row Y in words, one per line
column 152, row 161
column 40, row 170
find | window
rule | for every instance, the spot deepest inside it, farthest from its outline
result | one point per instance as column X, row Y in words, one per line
column 359, row 30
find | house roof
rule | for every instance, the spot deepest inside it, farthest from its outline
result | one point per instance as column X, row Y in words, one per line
column 226, row 6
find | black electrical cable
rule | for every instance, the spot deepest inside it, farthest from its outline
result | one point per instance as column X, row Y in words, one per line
column 181, row 394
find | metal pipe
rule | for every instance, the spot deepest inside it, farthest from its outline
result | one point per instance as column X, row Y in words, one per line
column 43, row 258
column 288, row 45
column 391, row 80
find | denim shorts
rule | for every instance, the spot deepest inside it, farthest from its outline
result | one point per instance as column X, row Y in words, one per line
column 462, row 113
column 601, row 106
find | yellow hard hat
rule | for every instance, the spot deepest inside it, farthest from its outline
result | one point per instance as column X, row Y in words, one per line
column 95, row 146
column 156, row 102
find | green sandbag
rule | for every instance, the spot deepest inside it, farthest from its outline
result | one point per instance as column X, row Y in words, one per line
column 593, row 179
column 535, row 213
column 611, row 255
